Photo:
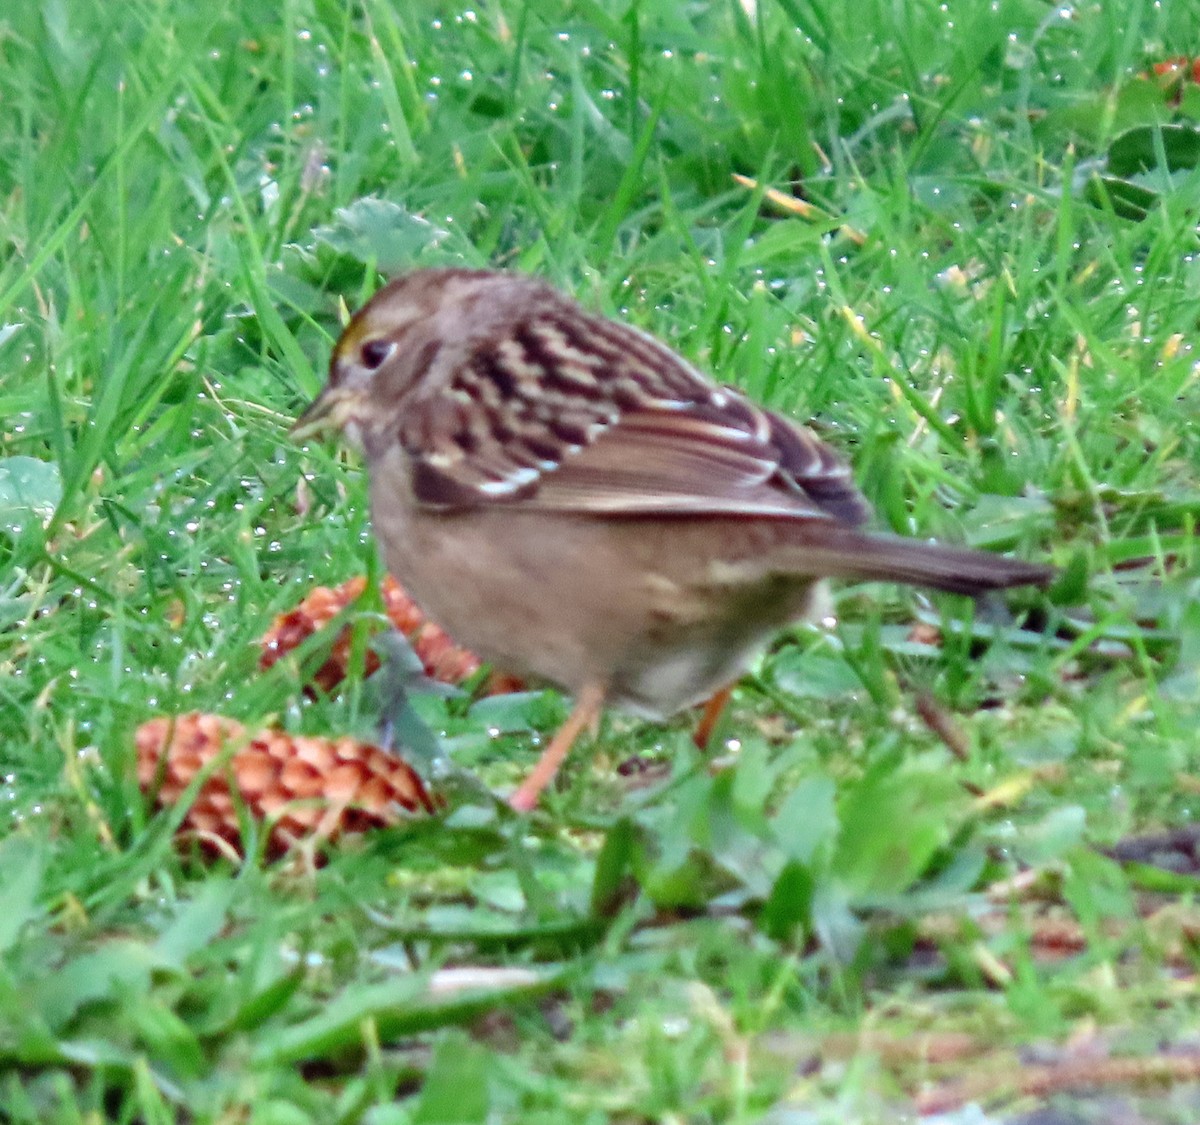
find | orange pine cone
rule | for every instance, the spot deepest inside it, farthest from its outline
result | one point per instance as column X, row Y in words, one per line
column 1172, row 74
column 302, row 787
column 1181, row 66
column 442, row 658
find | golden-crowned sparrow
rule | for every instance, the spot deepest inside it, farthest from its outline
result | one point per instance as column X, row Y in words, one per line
column 572, row 500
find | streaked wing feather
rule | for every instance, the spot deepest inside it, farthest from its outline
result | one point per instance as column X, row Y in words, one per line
column 578, row 414
column 672, row 463
column 819, row 471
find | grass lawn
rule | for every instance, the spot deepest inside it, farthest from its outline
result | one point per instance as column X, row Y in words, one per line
column 913, row 879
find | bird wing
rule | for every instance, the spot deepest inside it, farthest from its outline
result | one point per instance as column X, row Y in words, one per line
column 690, row 462
column 590, row 417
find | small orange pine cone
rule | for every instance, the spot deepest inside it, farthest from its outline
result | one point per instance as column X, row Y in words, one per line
column 1173, row 74
column 452, row 664
column 304, row 787
column 1167, row 67
column 290, row 630
column 442, row 658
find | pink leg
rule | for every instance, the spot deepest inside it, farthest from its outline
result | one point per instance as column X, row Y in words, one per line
column 711, row 715
column 587, row 710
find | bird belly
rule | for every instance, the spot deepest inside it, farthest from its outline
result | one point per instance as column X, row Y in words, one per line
column 692, row 649
column 590, row 605
column 676, row 680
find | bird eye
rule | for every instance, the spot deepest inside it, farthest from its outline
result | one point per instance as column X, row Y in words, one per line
column 374, row 352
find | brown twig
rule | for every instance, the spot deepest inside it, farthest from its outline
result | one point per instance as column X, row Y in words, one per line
column 1043, row 1080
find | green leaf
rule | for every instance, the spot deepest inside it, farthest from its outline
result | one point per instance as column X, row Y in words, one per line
column 807, row 819
column 511, row 711
column 1072, row 582
column 789, row 905
column 261, row 1005
column 23, row 861
column 401, row 1006
column 1183, row 682
column 613, row 867
column 753, row 780
column 818, row 673
column 197, row 923
column 785, row 240
column 338, row 1025
column 1057, row 832
column 891, row 824
column 118, row 970
column 834, row 923
column 456, row 1087
column 29, row 489
column 382, row 233
column 167, row 1038
column 685, row 883
column 1128, row 201
column 1096, row 888
column 1147, row 146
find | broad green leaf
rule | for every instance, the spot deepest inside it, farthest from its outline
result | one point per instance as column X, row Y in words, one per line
column 29, row 489
column 807, row 819
column 818, row 673
column 197, row 922
column 381, row 232
column 119, row 970
column 1138, row 150
column 891, row 823
column 456, row 1087
column 23, row 861
column 1060, row 830
column 1128, row 200
column 789, row 905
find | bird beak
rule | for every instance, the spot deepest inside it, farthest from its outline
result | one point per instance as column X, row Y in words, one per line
column 330, row 410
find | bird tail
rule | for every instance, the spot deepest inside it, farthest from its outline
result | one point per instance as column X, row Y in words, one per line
column 891, row 558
